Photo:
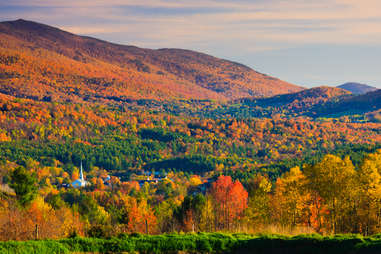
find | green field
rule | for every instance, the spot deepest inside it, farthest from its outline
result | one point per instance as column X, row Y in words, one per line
column 202, row 243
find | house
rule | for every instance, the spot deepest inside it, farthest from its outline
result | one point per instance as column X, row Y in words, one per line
column 156, row 178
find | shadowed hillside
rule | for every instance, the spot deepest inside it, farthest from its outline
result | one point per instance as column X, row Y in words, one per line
column 315, row 102
column 286, row 104
column 302, row 99
column 359, row 104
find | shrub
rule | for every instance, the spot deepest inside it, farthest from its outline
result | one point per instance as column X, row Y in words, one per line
column 202, row 243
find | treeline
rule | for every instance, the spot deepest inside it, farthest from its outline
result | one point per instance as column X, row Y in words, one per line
column 331, row 196
column 110, row 154
column 131, row 154
column 328, row 197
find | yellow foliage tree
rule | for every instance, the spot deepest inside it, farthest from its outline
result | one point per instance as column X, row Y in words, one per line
column 290, row 201
column 333, row 180
column 369, row 180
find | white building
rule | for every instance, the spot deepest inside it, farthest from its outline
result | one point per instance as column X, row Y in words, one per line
column 81, row 182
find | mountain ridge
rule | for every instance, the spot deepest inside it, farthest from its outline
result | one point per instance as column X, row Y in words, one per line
column 357, row 88
column 122, row 71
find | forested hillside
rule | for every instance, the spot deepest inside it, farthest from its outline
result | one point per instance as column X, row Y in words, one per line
column 156, row 172
column 44, row 63
column 136, row 138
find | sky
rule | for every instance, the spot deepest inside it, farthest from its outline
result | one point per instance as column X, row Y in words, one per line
column 305, row 42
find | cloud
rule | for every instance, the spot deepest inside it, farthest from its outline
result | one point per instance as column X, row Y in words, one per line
column 181, row 22
column 89, row 30
column 235, row 29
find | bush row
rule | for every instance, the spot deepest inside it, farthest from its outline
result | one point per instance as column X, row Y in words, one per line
column 202, row 243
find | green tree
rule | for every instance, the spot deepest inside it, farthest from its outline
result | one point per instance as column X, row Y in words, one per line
column 189, row 214
column 258, row 212
column 24, row 185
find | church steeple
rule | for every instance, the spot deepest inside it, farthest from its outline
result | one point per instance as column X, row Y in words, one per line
column 81, row 182
column 81, row 173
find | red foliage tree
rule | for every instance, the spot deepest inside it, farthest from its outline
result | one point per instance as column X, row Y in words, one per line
column 230, row 200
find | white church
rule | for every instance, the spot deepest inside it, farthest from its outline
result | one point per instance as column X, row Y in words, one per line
column 81, row 182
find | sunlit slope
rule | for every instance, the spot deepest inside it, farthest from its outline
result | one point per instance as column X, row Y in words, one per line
column 45, row 63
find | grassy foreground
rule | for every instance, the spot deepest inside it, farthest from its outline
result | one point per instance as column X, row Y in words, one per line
column 202, row 243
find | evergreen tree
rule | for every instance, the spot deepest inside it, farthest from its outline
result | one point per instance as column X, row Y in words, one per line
column 24, row 185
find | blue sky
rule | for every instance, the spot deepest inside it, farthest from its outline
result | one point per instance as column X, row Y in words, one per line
column 305, row 42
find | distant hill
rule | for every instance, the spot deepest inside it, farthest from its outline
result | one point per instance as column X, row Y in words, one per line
column 45, row 63
column 321, row 102
column 355, row 104
column 303, row 98
column 315, row 102
column 292, row 104
column 357, row 88
column 298, row 102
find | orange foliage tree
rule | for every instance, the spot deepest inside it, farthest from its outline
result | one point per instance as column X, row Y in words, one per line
column 230, row 200
column 141, row 217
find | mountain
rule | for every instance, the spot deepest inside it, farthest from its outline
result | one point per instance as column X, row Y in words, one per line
column 357, row 88
column 45, row 63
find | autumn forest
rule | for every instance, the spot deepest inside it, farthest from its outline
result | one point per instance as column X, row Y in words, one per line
column 172, row 141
